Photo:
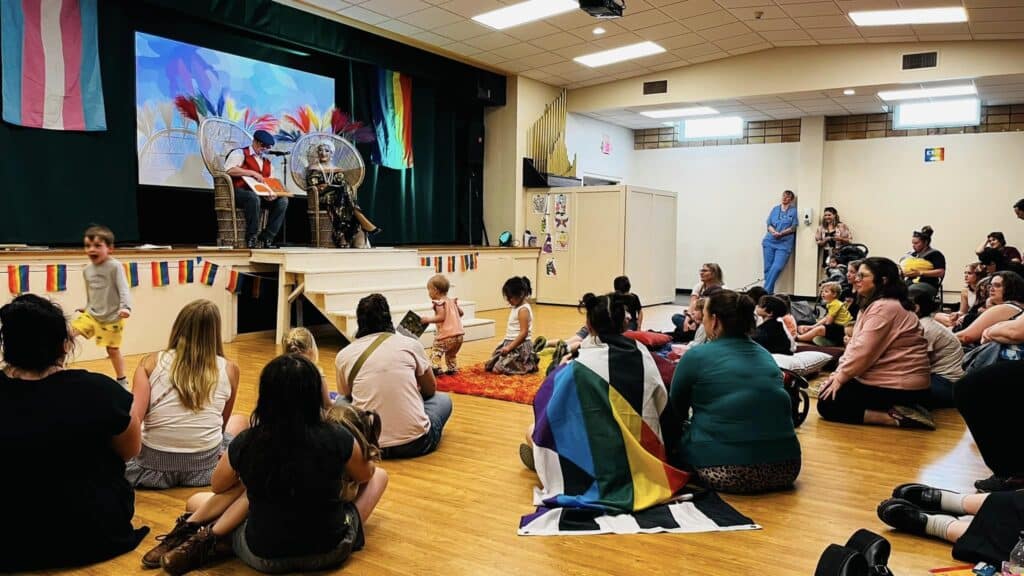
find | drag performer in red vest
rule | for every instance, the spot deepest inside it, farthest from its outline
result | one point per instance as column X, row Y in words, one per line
column 250, row 161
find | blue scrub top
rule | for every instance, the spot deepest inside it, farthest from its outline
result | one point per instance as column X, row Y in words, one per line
column 781, row 220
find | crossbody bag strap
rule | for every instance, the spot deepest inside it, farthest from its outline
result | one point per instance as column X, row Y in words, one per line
column 366, row 354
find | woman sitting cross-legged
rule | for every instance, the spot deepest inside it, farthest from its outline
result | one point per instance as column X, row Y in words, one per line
column 884, row 375
column 594, row 460
column 740, row 436
column 184, row 397
column 989, row 529
column 277, row 499
column 66, row 435
column 1006, row 293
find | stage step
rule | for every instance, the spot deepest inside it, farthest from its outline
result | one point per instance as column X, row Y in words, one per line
column 328, row 279
column 476, row 329
column 308, row 260
column 348, row 298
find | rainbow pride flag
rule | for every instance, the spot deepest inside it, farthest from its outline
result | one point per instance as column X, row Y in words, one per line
column 209, row 273
column 131, row 273
column 17, row 279
column 392, row 120
column 56, row 277
column 234, row 282
column 186, row 270
column 160, row 273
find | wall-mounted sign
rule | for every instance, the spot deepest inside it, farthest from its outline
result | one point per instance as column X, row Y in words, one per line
column 934, row 155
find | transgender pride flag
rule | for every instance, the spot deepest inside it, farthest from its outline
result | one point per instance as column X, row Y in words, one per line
column 51, row 65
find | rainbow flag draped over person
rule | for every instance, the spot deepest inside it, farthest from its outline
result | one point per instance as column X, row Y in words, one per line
column 600, row 453
column 51, row 64
column 392, row 120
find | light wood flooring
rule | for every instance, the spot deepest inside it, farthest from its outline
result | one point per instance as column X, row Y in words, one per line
column 455, row 512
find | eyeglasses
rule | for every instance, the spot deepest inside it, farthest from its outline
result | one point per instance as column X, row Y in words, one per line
column 861, row 276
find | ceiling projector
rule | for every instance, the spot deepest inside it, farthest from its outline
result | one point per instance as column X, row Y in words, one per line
column 603, row 8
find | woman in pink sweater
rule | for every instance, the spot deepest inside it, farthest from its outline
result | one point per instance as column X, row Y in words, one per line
column 883, row 377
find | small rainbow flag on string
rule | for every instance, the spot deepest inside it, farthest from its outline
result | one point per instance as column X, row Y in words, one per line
column 451, row 264
column 438, row 264
column 425, row 261
column 131, row 273
column 161, row 276
column 185, row 271
column 56, row 277
column 17, row 279
column 209, row 273
column 256, row 282
column 233, row 282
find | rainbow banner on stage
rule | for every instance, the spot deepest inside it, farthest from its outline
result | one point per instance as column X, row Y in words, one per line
column 131, row 273
column 17, row 279
column 392, row 120
column 56, row 277
column 186, row 271
column 161, row 275
column 209, row 273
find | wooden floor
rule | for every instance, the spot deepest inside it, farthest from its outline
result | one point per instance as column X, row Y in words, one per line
column 455, row 512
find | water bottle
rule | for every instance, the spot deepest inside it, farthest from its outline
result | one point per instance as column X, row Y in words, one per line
column 1016, row 562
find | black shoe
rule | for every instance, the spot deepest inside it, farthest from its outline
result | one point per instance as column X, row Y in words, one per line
column 996, row 483
column 912, row 417
column 268, row 245
column 903, row 515
column 924, row 497
column 252, row 243
column 375, row 231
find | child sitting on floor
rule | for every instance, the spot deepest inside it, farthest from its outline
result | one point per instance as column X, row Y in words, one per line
column 300, row 341
column 837, row 316
column 771, row 334
column 515, row 354
column 634, row 309
column 448, row 317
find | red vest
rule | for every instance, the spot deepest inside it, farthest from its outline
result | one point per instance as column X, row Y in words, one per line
column 250, row 163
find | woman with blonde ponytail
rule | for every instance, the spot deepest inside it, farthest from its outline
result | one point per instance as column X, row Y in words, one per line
column 300, row 341
column 184, row 396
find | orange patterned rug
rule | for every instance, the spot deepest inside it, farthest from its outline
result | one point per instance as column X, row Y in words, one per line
column 475, row 381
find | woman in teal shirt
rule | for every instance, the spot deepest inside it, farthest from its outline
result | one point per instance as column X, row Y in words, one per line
column 740, row 437
column 779, row 240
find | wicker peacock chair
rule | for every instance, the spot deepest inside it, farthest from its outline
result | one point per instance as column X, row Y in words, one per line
column 218, row 137
column 344, row 158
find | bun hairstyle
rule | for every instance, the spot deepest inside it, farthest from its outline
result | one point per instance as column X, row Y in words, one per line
column 364, row 425
column 517, row 287
column 606, row 314
column 34, row 333
column 300, row 341
column 925, row 233
column 734, row 310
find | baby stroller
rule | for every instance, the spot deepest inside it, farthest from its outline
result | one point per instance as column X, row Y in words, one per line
column 844, row 256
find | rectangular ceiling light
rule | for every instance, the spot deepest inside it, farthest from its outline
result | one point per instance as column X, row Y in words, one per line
column 723, row 127
column 922, row 93
column 937, row 114
column 911, row 16
column 524, row 12
column 619, row 54
column 680, row 112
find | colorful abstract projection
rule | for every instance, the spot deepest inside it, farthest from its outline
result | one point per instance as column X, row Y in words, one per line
column 178, row 84
column 51, row 65
column 392, row 120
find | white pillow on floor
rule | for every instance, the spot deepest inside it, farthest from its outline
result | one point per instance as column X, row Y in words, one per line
column 806, row 363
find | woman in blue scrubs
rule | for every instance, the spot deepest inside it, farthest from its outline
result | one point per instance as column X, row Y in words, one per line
column 780, row 240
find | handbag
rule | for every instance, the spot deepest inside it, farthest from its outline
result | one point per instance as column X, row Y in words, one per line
column 796, row 386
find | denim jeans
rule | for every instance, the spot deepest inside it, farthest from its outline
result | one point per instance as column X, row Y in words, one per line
column 438, row 408
column 249, row 202
column 352, row 541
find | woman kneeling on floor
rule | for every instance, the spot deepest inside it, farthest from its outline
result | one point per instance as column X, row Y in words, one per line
column 740, row 437
column 884, row 377
column 279, row 499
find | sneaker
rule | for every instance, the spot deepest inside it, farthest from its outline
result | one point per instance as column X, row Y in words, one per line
column 450, row 372
column 923, row 496
column 252, row 243
column 912, row 417
column 996, row 483
column 183, row 529
column 903, row 515
column 526, row 456
column 191, row 554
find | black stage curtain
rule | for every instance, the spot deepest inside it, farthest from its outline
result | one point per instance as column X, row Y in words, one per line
column 55, row 183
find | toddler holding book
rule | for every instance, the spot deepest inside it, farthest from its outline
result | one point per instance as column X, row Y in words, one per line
column 448, row 317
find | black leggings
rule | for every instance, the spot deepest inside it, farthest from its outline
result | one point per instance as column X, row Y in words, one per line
column 989, row 399
column 853, row 398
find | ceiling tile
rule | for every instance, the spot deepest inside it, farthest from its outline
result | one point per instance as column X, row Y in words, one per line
column 394, row 8
column 399, row 27
column 942, row 37
column 736, row 4
column 995, row 14
column 811, row 9
column 891, row 39
column 673, row 66
column 710, row 20
column 637, row 20
column 777, row 35
column 749, row 48
column 736, row 42
column 885, row 31
column 489, row 58
column 464, row 49
column 611, row 28
column 570, row 52
column 848, row 6
column 991, row 3
column 935, row 29
column 462, row 30
column 751, row 13
column 571, row 70
column 615, row 41
column 363, row 15
column 1000, row 36
column 727, row 31
column 543, row 59
column 709, row 57
column 662, row 31
column 431, row 38
column 928, row 3
column 332, row 5
column 997, row 28
column 681, row 41
column 690, row 8
column 491, row 41
column 773, row 24
column 432, row 17
column 521, row 50
column 785, row 43
column 663, row 58
column 824, row 22
column 573, row 19
column 692, row 52
column 531, row 30
column 470, row 8
column 841, row 40
column 556, row 41
column 833, row 33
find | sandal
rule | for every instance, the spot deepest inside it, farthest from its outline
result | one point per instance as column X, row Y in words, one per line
column 912, row 417
column 526, row 456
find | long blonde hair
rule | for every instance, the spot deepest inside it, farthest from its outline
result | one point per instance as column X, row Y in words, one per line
column 195, row 339
column 300, row 341
column 364, row 425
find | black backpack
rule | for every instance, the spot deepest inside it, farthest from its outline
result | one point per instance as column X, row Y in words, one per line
column 796, row 386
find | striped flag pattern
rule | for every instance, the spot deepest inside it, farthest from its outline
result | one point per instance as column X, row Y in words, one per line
column 392, row 120
column 256, row 282
column 51, row 64
column 186, row 271
column 17, row 279
column 160, row 273
column 56, row 277
column 234, row 282
column 131, row 273
column 209, row 273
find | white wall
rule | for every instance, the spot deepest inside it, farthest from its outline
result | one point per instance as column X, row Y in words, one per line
column 725, row 194
column 884, row 190
column 583, row 138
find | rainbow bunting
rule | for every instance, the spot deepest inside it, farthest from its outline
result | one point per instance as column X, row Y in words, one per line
column 392, row 120
column 185, row 271
column 256, row 281
column 17, row 279
column 56, row 277
column 437, row 264
column 475, row 263
column 160, row 274
column 233, row 282
column 209, row 273
column 451, row 264
column 131, row 273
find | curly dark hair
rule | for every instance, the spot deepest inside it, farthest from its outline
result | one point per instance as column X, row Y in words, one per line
column 34, row 334
column 373, row 315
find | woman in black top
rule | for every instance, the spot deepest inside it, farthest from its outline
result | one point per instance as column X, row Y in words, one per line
column 66, row 435
column 921, row 242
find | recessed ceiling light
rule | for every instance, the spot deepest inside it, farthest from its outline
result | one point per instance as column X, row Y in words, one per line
column 680, row 112
column 599, row 30
column 920, row 93
column 912, row 16
column 849, row 92
column 668, row 123
column 524, row 12
column 721, row 127
column 619, row 54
